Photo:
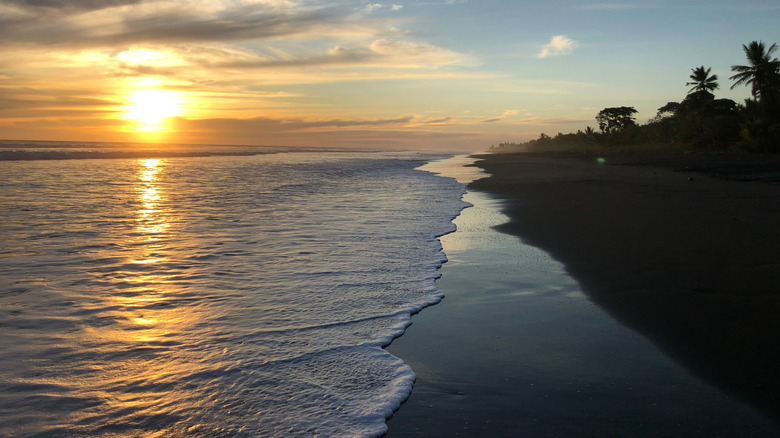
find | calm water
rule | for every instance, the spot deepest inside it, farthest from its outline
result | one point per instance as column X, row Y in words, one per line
column 213, row 296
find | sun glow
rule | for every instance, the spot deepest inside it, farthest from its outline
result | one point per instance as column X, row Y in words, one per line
column 150, row 108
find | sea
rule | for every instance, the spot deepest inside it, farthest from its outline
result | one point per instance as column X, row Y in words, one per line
column 211, row 291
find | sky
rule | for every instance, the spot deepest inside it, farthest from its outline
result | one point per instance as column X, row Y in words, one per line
column 428, row 74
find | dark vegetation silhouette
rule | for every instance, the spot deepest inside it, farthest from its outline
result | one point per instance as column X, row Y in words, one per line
column 702, row 80
column 700, row 121
column 616, row 119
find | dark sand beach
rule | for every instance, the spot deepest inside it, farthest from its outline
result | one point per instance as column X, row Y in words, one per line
column 682, row 249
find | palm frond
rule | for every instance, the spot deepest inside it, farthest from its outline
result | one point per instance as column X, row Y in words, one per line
column 741, row 79
column 763, row 73
column 741, row 68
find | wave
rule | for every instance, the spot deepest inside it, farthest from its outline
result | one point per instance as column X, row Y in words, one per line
column 215, row 297
column 22, row 150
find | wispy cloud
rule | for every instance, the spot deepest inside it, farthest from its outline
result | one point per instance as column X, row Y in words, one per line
column 504, row 115
column 280, row 41
column 551, row 121
column 168, row 25
column 558, row 45
column 66, row 5
column 405, row 53
column 437, row 121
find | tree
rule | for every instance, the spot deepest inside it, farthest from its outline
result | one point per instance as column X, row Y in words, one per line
column 763, row 73
column 663, row 127
column 669, row 109
column 702, row 81
column 704, row 122
column 761, row 125
column 616, row 119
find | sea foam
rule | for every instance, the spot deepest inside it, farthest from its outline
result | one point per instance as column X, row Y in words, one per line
column 214, row 296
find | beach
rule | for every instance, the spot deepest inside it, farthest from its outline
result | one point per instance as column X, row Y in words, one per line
column 679, row 251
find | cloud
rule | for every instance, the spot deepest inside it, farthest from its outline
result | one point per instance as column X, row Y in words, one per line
column 72, row 62
column 394, row 133
column 265, row 130
column 267, row 125
column 209, row 42
column 407, row 53
column 135, row 23
column 551, row 121
column 437, row 121
column 69, row 5
column 254, row 34
column 501, row 117
column 387, row 53
column 372, row 60
column 558, row 45
column 371, row 7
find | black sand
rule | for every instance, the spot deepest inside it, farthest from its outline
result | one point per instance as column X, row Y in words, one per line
column 689, row 259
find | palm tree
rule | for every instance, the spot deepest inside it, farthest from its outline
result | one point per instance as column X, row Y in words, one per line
column 702, row 81
column 763, row 73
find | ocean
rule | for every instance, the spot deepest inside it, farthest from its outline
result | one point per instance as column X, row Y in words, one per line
column 212, row 295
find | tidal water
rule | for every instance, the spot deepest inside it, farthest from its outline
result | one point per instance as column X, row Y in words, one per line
column 213, row 296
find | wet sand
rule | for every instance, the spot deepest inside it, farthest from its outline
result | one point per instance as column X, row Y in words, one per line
column 688, row 262
column 684, row 248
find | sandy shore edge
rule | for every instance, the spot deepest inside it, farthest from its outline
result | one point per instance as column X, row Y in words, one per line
column 683, row 248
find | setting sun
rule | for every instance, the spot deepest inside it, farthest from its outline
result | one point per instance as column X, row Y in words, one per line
column 151, row 107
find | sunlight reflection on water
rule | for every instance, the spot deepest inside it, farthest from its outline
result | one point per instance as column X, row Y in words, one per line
column 210, row 296
column 152, row 219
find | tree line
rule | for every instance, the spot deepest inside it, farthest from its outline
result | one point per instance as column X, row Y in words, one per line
column 700, row 121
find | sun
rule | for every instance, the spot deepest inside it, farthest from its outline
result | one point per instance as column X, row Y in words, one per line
column 151, row 107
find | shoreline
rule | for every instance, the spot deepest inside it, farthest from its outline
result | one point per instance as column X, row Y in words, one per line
column 683, row 248
column 516, row 348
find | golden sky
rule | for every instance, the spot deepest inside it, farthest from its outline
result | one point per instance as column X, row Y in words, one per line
column 449, row 74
